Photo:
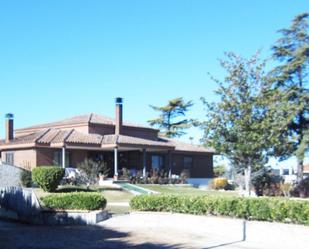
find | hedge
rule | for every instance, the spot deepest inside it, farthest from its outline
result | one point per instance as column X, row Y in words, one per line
column 75, row 201
column 262, row 208
column 48, row 177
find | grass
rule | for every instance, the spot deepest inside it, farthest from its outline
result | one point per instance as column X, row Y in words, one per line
column 118, row 209
column 186, row 190
column 117, row 195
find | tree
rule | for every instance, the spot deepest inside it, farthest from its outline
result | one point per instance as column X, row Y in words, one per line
column 168, row 121
column 233, row 124
column 219, row 170
column 290, row 80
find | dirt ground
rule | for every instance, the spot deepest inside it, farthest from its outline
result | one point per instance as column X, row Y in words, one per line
column 155, row 230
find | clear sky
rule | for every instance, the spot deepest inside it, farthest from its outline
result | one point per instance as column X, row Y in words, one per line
column 61, row 58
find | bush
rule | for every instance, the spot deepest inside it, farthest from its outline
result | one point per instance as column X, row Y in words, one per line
column 48, row 177
column 26, row 178
column 264, row 208
column 286, row 189
column 219, row 171
column 301, row 189
column 75, row 201
column 154, row 177
column 92, row 170
column 266, row 183
column 220, row 183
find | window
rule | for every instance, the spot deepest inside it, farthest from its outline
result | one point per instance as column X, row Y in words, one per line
column 9, row 158
column 156, row 162
column 286, row 172
column 187, row 162
column 58, row 158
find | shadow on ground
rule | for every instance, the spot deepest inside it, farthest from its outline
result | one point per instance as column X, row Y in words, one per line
column 23, row 236
column 74, row 189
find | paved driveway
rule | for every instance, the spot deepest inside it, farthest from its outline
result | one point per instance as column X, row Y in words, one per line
column 156, row 230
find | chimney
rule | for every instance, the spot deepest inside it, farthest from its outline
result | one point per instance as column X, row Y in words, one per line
column 118, row 124
column 9, row 127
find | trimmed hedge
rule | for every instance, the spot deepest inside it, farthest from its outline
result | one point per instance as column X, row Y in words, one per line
column 75, row 201
column 263, row 208
column 48, row 177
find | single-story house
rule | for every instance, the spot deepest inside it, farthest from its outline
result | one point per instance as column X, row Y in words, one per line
column 119, row 144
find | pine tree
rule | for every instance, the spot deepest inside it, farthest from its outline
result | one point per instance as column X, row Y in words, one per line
column 168, row 122
column 290, row 81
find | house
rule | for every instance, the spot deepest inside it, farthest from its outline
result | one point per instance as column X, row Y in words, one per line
column 287, row 174
column 119, row 144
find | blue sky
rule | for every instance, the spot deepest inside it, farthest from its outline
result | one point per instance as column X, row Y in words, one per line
column 62, row 58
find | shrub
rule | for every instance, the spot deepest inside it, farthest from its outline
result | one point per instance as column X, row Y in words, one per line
column 26, row 178
column 219, row 171
column 125, row 174
column 286, row 189
column 266, row 183
column 92, row 169
column 301, row 189
column 75, row 201
column 264, row 208
column 48, row 177
column 220, row 183
column 156, row 177
column 230, row 186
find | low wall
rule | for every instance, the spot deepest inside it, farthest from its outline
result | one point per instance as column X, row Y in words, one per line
column 21, row 201
column 22, row 205
column 9, row 175
column 70, row 217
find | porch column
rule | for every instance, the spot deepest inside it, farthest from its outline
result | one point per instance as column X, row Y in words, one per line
column 144, row 163
column 169, row 158
column 115, row 163
column 63, row 157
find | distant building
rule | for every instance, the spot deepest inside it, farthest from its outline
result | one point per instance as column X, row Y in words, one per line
column 287, row 174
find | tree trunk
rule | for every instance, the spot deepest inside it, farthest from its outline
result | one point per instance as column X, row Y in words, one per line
column 300, row 161
column 300, row 169
column 248, row 180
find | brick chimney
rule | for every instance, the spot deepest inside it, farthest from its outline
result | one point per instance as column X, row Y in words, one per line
column 9, row 127
column 118, row 124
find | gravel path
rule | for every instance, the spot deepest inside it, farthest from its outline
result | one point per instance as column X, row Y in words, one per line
column 156, row 230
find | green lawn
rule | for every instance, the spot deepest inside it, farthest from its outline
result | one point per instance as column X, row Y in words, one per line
column 117, row 195
column 185, row 190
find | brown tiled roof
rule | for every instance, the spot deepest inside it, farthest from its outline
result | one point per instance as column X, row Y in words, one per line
column 61, row 136
column 181, row 146
column 78, row 137
column 141, row 141
column 71, row 136
column 31, row 138
column 49, row 135
column 91, row 118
